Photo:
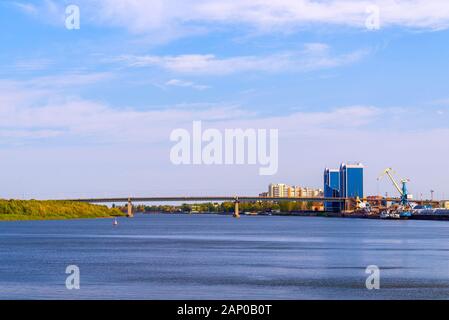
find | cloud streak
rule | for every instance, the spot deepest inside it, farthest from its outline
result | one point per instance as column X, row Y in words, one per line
column 175, row 17
column 265, row 15
column 29, row 112
column 313, row 57
column 186, row 84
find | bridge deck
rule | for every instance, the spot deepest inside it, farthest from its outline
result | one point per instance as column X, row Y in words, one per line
column 233, row 199
column 219, row 199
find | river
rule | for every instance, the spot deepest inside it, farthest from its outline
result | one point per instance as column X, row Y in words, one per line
column 217, row 257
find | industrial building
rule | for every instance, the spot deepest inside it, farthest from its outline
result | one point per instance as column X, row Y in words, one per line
column 346, row 182
column 351, row 180
column 331, row 189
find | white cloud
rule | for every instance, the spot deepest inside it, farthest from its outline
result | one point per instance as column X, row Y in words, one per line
column 95, row 141
column 444, row 102
column 26, row 7
column 29, row 112
column 176, row 17
column 314, row 56
column 69, row 79
column 32, row 65
column 52, row 82
column 50, row 11
column 186, row 84
column 409, row 13
column 266, row 15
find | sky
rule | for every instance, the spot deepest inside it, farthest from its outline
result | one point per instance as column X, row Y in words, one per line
column 88, row 112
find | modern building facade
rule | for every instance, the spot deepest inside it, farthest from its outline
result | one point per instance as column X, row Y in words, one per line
column 351, row 180
column 331, row 189
column 346, row 182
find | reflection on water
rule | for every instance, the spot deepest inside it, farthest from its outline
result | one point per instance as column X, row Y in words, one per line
column 218, row 257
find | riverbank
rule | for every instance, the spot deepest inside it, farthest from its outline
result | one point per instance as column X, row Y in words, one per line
column 309, row 214
column 14, row 210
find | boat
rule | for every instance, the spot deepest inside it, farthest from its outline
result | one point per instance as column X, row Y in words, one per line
column 115, row 223
column 389, row 215
column 405, row 214
column 250, row 213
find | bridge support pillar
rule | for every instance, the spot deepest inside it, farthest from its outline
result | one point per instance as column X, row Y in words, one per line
column 130, row 209
column 236, row 209
column 345, row 206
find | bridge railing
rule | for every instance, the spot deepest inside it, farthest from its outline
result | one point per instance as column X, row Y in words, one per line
column 209, row 198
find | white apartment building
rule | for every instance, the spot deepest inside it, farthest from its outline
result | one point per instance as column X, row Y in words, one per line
column 278, row 190
column 281, row 190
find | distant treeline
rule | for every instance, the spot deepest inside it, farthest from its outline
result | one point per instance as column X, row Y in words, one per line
column 48, row 210
column 227, row 207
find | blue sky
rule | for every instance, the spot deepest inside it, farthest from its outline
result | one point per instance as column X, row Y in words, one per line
column 89, row 111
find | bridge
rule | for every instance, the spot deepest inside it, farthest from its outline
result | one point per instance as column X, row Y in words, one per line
column 347, row 202
column 235, row 199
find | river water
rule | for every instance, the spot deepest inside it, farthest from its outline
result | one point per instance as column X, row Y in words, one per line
column 218, row 257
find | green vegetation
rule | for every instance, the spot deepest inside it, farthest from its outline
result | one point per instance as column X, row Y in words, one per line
column 53, row 210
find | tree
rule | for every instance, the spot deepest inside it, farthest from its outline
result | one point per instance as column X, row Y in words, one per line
column 186, row 207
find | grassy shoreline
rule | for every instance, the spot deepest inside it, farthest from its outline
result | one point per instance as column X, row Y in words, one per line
column 19, row 210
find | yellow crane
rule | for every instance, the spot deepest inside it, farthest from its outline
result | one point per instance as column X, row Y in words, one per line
column 402, row 191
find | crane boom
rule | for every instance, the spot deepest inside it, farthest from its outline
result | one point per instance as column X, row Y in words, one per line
column 405, row 203
column 387, row 172
column 395, row 183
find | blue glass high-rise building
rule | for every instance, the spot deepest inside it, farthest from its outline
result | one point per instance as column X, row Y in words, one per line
column 351, row 180
column 331, row 189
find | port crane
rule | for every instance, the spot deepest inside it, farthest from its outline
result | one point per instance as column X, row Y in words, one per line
column 403, row 191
